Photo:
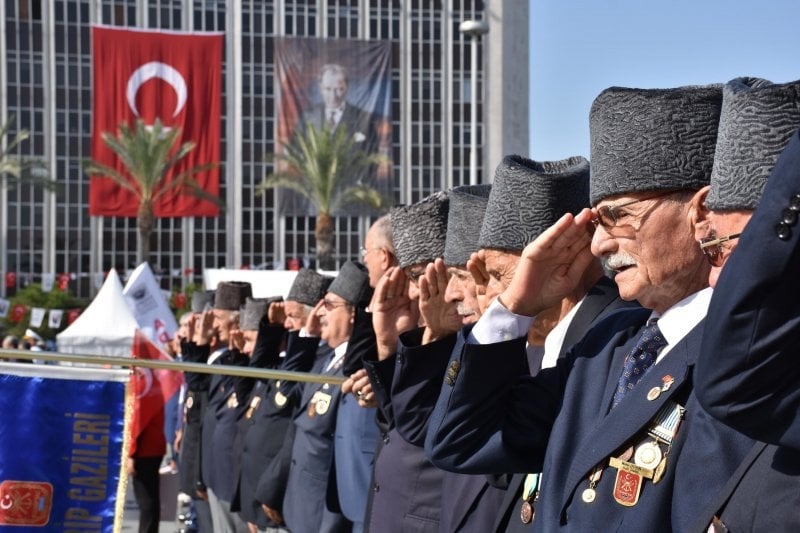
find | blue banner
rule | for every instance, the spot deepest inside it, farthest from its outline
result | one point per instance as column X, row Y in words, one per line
column 61, row 448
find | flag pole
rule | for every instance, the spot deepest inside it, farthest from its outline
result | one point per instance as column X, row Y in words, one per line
column 181, row 366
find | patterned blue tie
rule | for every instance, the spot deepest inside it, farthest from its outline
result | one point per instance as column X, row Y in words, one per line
column 639, row 360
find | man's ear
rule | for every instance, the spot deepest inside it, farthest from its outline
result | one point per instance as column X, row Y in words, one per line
column 698, row 213
column 388, row 259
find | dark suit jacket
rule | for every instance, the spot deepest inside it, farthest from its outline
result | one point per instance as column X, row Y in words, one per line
column 194, row 407
column 495, row 418
column 265, row 425
column 748, row 374
column 304, row 503
column 271, row 477
column 356, row 432
column 762, row 495
column 406, row 488
column 601, row 300
column 227, row 404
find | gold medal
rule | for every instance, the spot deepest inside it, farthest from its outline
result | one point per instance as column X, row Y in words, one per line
column 232, row 402
column 648, row 455
column 322, row 403
column 588, row 495
column 280, row 399
column 658, row 473
column 254, row 403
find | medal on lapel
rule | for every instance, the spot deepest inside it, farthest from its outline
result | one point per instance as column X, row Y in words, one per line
column 319, row 404
column 254, row 403
column 530, row 495
column 280, row 399
column 628, row 483
column 589, row 494
column 232, row 402
column 322, row 403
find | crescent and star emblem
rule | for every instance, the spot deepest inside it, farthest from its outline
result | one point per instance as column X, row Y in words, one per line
column 156, row 69
column 147, row 376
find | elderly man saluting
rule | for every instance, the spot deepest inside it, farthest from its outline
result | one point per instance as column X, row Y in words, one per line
column 615, row 427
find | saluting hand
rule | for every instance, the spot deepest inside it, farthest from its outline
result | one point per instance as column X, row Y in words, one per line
column 236, row 340
column 276, row 314
column 477, row 267
column 204, row 328
column 392, row 311
column 441, row 317
column 313, row 325
column 551, row 266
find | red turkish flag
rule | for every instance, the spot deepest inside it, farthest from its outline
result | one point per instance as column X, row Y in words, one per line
column 144, row 75
column 152, row 387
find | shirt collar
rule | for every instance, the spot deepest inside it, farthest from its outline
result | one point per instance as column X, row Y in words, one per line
column 681, row 318
column 338, row 355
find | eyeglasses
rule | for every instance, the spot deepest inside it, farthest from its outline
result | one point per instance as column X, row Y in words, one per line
column 414, row 274
column 608, row 217
column 330, row 306
column 713, row 250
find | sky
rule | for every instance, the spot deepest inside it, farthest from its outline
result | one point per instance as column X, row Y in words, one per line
column 580, row 47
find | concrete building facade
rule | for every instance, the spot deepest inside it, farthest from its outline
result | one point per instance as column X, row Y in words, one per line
column 46, row 84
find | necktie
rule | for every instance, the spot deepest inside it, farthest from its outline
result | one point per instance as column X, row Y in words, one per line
column 331, row 120
column 639, row 360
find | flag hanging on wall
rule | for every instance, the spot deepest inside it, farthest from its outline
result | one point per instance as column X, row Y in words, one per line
column 175, row 77
column 61, row 465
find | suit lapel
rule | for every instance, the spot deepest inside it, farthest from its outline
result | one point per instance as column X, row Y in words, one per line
column 594, row 303
column 311, row 387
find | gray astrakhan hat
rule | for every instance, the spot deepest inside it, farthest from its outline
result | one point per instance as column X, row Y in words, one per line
column 653, row 139
column 200, row 299
column 419, row 230
column 253, row 311
column 352, row 281
column 530, row 196
column 464, row 219
column 231, row 295
column 758, row 119
column 309, row 287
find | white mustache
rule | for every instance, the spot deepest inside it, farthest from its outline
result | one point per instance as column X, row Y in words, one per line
column 463, row 310
column 612, row 263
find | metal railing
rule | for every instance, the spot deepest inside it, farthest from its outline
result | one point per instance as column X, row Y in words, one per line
column 199, row 368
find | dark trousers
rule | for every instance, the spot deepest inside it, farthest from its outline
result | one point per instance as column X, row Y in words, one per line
column 147, row 494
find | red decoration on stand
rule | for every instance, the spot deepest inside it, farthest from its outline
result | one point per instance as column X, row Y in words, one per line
column 72, row 315
column 63, row 281
column 17, row 314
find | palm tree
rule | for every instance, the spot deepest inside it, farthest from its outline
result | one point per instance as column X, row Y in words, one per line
column 147, row 154
column 324, row 167
column 14, row 169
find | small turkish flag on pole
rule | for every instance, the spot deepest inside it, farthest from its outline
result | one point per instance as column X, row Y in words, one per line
column 175, row 77
column 153, row 387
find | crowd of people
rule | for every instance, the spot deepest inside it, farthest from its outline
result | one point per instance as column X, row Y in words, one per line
column 573, row 347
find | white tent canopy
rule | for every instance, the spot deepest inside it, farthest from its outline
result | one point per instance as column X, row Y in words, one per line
column 106, row 327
